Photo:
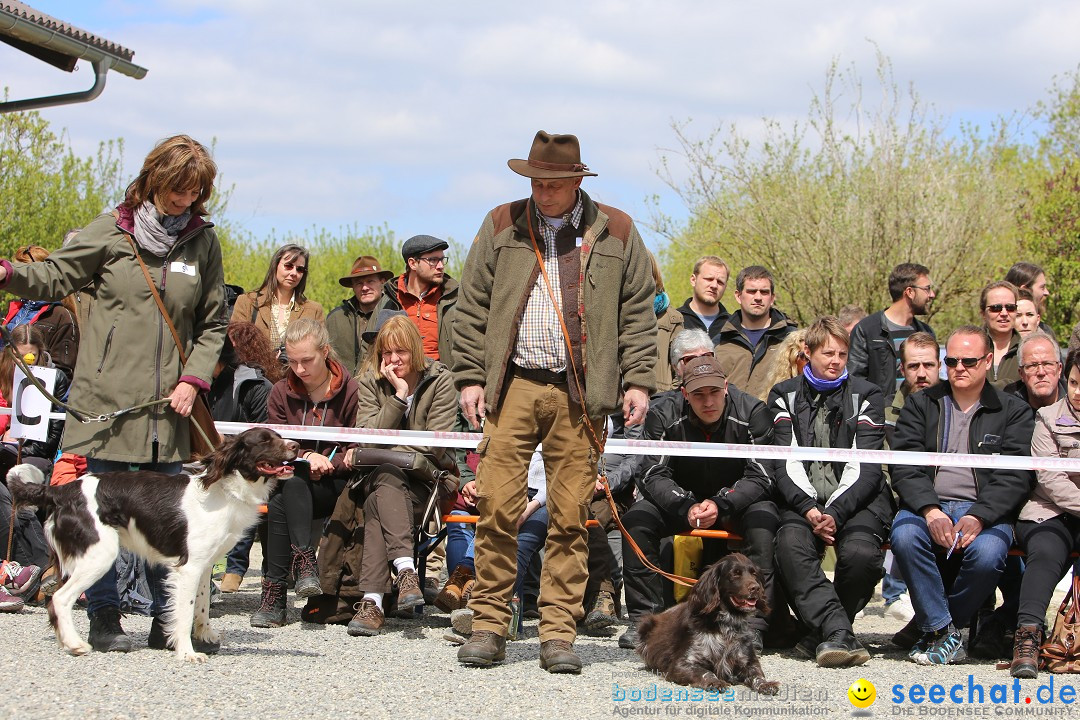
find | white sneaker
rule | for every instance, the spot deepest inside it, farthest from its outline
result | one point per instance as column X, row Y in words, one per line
column 901, row 610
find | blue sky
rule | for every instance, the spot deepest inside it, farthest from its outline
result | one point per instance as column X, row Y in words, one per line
column 348, row 112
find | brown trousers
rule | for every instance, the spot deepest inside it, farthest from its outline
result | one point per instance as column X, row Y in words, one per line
column 393, row 504
column 533, row 412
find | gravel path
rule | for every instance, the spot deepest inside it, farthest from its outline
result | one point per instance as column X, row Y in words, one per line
column 312, row 671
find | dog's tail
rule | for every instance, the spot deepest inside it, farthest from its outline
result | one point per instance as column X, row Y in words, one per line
column 27, row 485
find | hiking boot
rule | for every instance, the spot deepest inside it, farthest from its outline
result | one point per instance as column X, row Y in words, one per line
column 483, row 648
column 409, row 593
column 306, row 572
column 558, row 656
column 368, row 620
column 602, row 614
column 20, row 579
column 629, row 639
column 461, row 620
column 158, row 640
column 106, row 635
column 841, row 649
column 989, row 642
column 431, row 590
column 1025, row 662
column 449, row 598
column 8, row 602
column 946, row 647
column 50, row 581
column 230, row 583
column 272, row 611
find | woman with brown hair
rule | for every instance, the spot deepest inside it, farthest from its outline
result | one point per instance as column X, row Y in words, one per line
column 56, row 320
column 280, row 299
column 127, row 355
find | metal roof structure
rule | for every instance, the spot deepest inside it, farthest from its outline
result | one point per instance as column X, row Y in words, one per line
column 62, row 45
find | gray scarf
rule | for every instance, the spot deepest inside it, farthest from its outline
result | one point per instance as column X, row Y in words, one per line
column 156, row 233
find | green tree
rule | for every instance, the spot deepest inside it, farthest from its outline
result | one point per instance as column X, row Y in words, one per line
column 45, row 189
column 832, row 204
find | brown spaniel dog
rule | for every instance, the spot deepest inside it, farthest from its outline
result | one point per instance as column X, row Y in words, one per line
column 706, row 641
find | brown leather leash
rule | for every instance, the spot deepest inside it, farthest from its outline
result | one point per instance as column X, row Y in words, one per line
column 597, row 441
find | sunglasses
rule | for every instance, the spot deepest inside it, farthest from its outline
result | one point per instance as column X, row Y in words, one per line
column 968, row 362
column 687, row 358
column 998, row 307
column 289, row 267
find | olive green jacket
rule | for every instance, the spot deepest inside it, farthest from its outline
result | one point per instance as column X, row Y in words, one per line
column 619, row 324
column 434, row 406
column 127, row 355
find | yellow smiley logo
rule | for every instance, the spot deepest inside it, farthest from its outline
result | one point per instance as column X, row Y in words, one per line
column 862, row 693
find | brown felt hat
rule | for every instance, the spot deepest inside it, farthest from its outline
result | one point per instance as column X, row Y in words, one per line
column 552, row 157
column 362, row 267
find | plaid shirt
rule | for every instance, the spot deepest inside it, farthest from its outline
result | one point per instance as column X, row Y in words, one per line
column 540, row 343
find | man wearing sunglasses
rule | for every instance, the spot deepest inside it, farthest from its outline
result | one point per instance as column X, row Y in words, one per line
column 426, row 293
column 876, row 339
column 954, row 520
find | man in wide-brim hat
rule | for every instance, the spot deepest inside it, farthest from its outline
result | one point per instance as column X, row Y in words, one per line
column 538, row 380
column 348, row 321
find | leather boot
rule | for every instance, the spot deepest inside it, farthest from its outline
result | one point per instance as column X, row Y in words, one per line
column 306, row 572
column 106, row 635
column 272, row 612
column 1025, row 660
column 449, row 598
column 558, row 656
column 484, row 648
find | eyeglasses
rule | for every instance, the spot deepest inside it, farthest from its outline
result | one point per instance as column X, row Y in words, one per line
column 998, row 307
column 968, row 362
column 927, row 288
column 436, row 261
column 1046, row 366
column 289, row 267
column 687, row 358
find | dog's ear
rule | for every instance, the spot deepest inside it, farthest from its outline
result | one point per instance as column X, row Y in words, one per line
column 708, row 594
column 223, row 459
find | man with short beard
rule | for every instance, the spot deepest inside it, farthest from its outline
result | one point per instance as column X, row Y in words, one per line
column 703, row 310
column 750, row 339
column 427, row 294
column 921, row 369
column 875, row 341
column 1040, row 382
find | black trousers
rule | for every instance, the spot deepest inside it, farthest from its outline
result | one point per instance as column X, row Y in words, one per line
column 825, row 607
column 1047, row 546
column 295, row 503
column 648, row 525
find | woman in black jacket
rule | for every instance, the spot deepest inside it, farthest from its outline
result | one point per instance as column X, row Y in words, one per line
column 846, row 505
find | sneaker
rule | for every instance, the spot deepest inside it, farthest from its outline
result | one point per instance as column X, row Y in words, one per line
column 946, row 648
column 901, row 609
column 8, row 602
column 106, row 635
column 602, row 614
column 558, row 656
column 920, row 646
column 409, row 593
column 20, row 579
column 369, row 618
column 306, row 571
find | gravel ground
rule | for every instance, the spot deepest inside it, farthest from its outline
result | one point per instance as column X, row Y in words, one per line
column 312, row 671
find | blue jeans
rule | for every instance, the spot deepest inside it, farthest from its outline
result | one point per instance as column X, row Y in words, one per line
column 892, row 588
column 460, row 538
column 921, row 561
column 531, row 537
column 238, row 559
column 103, row 593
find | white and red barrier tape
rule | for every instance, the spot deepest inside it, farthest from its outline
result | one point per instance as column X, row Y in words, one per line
column 681, row 449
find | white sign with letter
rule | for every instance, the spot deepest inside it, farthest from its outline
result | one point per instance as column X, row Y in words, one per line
column 30, row 411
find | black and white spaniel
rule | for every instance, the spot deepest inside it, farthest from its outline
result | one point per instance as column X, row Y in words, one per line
column 706, row 641
column 182, row 522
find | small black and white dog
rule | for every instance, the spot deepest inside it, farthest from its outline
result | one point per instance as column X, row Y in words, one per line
column 182, row 522
column 706, row 640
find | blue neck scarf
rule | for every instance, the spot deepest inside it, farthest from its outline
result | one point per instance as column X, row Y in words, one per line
column 661, row 303
column 823, row 385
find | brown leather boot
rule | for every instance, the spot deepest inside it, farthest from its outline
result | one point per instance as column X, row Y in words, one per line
column 484, row 648
column 558, row 656
column 449, row 598
column 1026, row 642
